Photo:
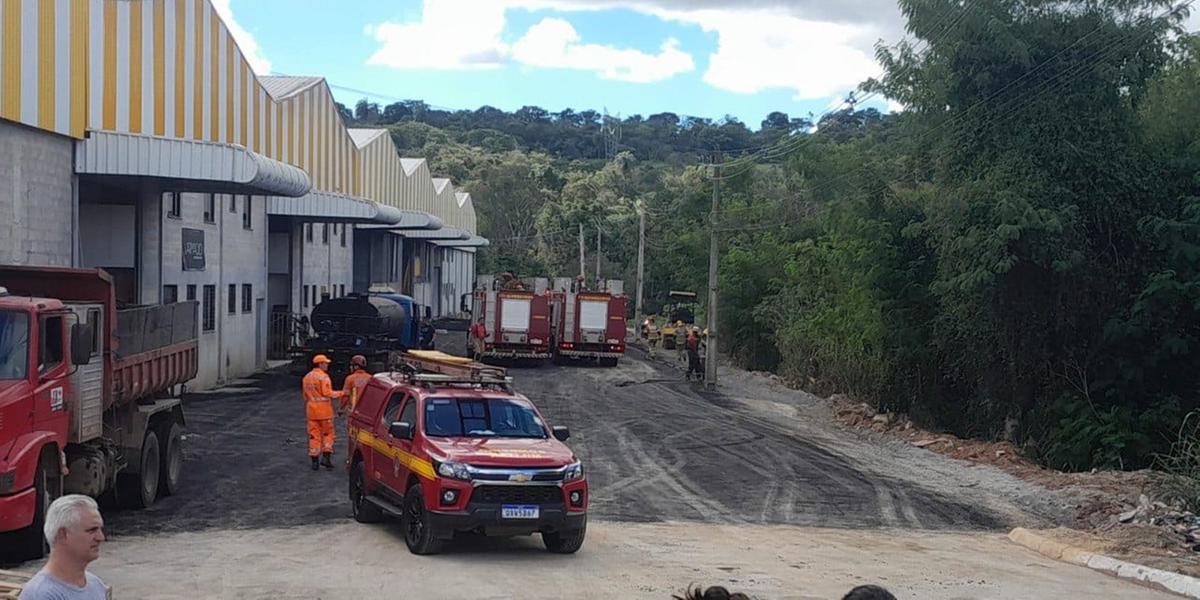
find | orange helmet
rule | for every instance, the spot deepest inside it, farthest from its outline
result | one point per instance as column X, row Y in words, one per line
column 358, row 360
column 321, row 358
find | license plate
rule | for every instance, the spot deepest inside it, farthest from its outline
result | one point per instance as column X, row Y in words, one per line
column 518, row 511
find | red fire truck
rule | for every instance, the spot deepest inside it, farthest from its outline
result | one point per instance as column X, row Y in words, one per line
column 86, row 402
column 445, row 445
column 514, row 317
column 588, row 324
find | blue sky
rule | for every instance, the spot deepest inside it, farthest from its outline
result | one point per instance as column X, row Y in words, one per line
column 706, row 58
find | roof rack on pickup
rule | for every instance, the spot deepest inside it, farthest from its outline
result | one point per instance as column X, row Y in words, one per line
column 437, row 368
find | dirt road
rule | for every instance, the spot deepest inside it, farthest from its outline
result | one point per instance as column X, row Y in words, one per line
column 688, row 486
column 620, row 560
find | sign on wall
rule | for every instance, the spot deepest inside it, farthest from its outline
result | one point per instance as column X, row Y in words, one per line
column 193, row 249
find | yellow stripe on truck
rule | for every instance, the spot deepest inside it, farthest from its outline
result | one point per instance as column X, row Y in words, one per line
column 414, row 463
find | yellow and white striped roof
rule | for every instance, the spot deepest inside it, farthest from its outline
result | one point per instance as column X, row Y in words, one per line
column 170, row 68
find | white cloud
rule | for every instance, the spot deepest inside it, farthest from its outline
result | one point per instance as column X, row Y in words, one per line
column 554, row 43
column 451, row 34
column 245, row 41
column 813, row 48
column 767, row 49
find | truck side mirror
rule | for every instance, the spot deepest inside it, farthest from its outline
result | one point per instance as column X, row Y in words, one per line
column 401, row 430
column 462, row 303
column 561, row 433
column 83, row 338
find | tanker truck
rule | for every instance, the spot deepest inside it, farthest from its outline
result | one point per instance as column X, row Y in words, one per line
column 89, row 397
column 374, row 325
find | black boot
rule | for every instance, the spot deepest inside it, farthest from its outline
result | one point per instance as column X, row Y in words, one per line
column 327, row 460
column 315, row 466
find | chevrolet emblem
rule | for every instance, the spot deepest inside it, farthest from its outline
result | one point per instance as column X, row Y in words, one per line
column 520, row 477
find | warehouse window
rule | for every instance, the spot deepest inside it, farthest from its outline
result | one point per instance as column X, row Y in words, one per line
column 170, row 294
column 325, row 233
column 210, row 308
column 343, row 235
column 210, row 208
column 247, row 223
column 308, row 231
column 231, row 299
column 314, row 293
column 247, row 297
column 174, row 209
column 191, row 293
column 232, row 203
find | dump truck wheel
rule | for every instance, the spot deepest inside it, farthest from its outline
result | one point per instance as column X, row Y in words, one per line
column 138, row 490
column 30, row 542
column 171, row 461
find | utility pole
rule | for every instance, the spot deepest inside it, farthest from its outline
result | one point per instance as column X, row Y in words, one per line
column 598, row 257
column 710, row 360
column 641, row 276
column 582, row 272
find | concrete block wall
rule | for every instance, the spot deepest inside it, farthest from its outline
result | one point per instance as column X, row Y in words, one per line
column 37, row 199
column 325, row 267
column 458, row 278
column 235, row 256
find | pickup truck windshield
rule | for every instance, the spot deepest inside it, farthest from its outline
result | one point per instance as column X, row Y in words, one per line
column 14, row 344
column 482, row 417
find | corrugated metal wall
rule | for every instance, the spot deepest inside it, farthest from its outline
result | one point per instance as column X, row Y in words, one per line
column 171, row 68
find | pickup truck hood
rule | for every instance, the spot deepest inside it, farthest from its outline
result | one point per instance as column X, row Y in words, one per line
column 503, row 452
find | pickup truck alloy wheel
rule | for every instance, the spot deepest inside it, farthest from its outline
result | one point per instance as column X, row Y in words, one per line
column 364, row 511
column 418, row 535
column 171, row 461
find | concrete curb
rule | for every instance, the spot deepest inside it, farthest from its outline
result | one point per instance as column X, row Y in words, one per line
column 1172, row 582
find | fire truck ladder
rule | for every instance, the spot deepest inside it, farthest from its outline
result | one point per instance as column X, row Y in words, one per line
column 444, row 369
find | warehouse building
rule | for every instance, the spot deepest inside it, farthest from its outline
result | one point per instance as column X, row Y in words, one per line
column 135, row 137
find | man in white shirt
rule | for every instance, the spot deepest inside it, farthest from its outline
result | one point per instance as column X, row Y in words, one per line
column 75, row 530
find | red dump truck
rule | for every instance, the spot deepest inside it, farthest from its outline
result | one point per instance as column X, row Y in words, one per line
column 513, row 316
column 588, row 324
column 88, row 400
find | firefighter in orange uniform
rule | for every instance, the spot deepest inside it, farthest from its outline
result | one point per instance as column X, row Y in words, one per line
column 356, row 381
column 318, row 400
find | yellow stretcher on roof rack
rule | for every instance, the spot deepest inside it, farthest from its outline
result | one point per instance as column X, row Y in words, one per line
column 431, row 366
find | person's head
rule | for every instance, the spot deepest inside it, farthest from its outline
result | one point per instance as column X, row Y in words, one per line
column 74, row 529
column 868, row 592
column 321, row 361
column 358, row 361
column 712, row 593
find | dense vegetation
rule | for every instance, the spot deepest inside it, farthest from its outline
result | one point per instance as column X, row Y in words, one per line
column 1016, row 254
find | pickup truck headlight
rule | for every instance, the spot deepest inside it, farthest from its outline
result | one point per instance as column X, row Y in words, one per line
column 573, row 472
column 453, row 470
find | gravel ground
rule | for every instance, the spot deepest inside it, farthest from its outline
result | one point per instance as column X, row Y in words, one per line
column 619, row 560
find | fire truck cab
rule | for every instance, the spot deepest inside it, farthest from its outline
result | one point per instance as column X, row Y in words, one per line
column 446, row 446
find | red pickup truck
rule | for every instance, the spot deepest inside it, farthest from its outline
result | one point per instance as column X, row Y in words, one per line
column 448, row 447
